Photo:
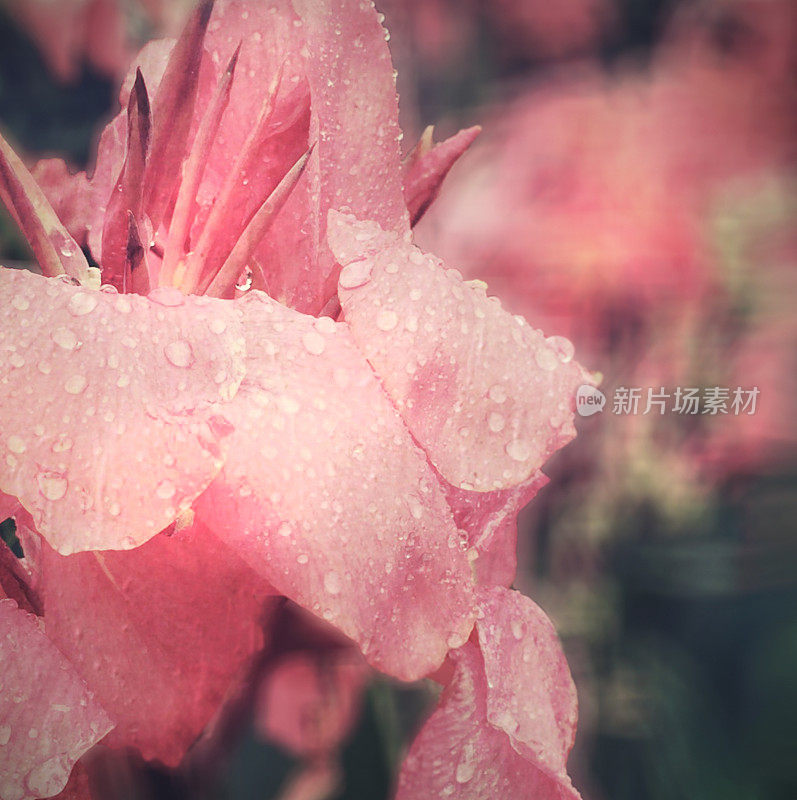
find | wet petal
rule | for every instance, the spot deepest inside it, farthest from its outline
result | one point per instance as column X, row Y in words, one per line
column 325, row 493
column 356, row 163
column 458, row 755
column 490, row 521
column 488, row 397
column 428, row 164
column 531, row 697
column 158, row 632
column 48, row 717
column 111, row 409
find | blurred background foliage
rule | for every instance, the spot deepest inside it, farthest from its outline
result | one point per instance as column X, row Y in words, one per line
column 674, row 588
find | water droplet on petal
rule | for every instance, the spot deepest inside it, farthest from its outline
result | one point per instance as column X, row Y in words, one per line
column 5, row 735
column 179, row 353
column 75, row 384
column 244, row 281
column 218, row 325
column 302, row 558
column 65, row 338
column 16, row 444
column 562, row 347
column 332, row 582
column 52, row 485
column 496, row 422
column 20, row 303
column 284, row 529
column 314, row 343
column 517, row 629
column 82, row 303
column 518, row 450
column 354, row 275
column 497, row 393
column 386, row 320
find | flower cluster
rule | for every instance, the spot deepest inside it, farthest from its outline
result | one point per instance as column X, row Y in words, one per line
column 266, row 390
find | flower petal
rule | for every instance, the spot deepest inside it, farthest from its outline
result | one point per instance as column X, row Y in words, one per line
column 532, row 697
column 356, row 162
column 326, row 494
column 111, row 406
column 458, row 755
column 158, row 632
column 48, row 717
column 427, row 166
column 488, row 397
column 490, row 521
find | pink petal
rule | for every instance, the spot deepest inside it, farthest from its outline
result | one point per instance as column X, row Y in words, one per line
column 172, row 115
column 458, row 755
column 356, row 163
column 531, row 696
column 111, row 406
column 488, row 397
column 490, row 521
column 326, row 494
column 427, row 166
column 48, row 717
column 309, row 701
column 158, row 632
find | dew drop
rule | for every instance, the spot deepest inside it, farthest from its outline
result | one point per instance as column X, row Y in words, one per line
column 496, row 422
column 332, row 582
column 354, row 275
column 179, row 353
column 386, row 320
column 218, row 325
column 5, row 735
column 284, row 529
column 497, row 393
column 302, row 558
column 16, row 444
column 75, row 384
column 82, row 303
column 244, row 281
column 20, row 303
column 314, row 343
column 517, row 629
column 165, row 490
column 65, row 338
column 52, row 485
column 518, row 450
column 562, row 347
column 62, row 444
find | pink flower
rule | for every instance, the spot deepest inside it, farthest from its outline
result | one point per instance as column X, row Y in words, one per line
column 184, row 455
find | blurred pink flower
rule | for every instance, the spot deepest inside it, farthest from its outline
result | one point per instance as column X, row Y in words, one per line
column 598, row 204
column 181, row 455
column 100, row 32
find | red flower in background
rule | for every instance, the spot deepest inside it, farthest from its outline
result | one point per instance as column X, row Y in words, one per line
column 356, row 431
